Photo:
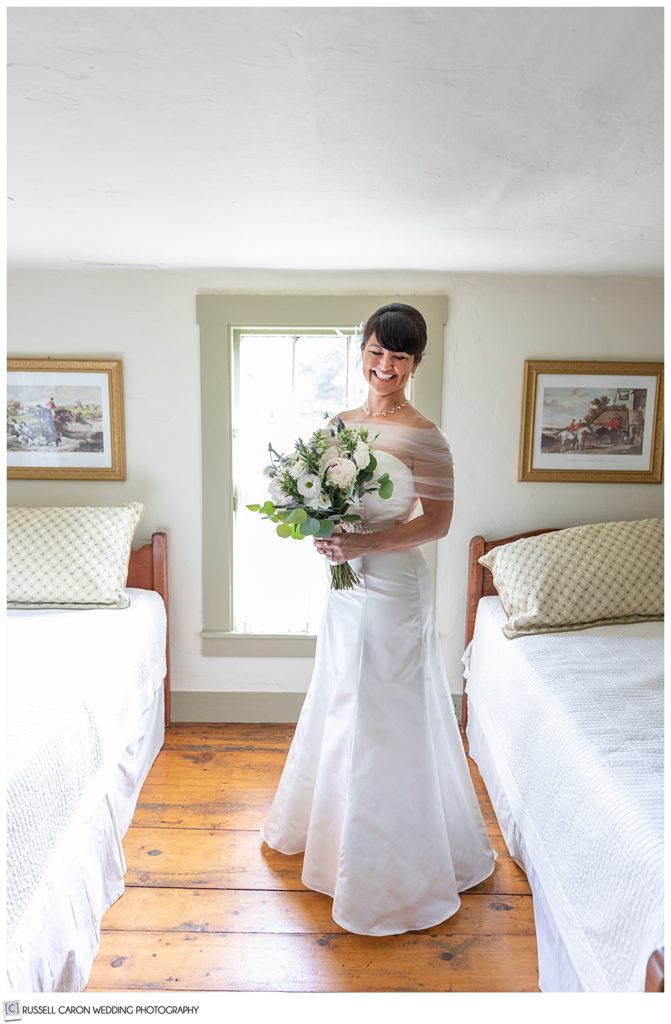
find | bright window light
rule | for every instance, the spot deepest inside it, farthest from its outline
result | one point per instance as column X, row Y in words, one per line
column 283, row 382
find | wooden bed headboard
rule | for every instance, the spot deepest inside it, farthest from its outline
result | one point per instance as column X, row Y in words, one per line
column 480, row 584
column 148, row 570
column 654, row 973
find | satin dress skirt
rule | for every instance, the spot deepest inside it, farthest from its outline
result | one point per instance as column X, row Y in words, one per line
column 376, row 789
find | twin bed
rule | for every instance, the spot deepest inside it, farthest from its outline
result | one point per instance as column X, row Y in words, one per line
column 89, row 701
column 566, row 729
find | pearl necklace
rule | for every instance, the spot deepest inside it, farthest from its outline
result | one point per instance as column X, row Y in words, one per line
column 387, row 412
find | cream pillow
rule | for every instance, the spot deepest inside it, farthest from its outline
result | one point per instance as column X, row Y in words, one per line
column 69, row 557
column 580, row 577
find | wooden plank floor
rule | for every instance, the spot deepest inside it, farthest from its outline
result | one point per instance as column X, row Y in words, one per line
column 209, row 907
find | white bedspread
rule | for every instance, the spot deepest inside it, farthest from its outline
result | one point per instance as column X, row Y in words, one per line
column 575, row 724
column 78, row 682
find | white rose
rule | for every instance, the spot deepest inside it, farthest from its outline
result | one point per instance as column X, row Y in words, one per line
column 361, row 455
column 329, row 455
column 308, row 484
column 277, row 494
column 341, row 472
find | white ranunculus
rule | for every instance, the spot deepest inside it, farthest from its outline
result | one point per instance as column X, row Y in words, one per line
column 341, row 472
column 278, row 496
column 362, row 455
column 329, row 455
column 308, row 484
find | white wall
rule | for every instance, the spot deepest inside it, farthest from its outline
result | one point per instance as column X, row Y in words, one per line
column 495, row 323
column 147, row 318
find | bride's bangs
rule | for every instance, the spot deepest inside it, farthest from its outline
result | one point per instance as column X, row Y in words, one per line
column 398, row 329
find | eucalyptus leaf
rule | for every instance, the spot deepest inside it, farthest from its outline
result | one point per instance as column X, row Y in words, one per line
column 297, row 515
column 284, row 530
column 386, row 489
column 326, row 528
column 253, row 508
column 310, row 528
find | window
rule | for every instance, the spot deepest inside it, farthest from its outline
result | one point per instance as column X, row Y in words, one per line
column 282, row 383
column 270, row 367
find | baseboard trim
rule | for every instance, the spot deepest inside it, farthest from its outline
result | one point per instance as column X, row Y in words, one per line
column 230, row 706
column 236, row 707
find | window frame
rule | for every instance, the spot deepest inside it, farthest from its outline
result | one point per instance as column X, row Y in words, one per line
column 219, row 315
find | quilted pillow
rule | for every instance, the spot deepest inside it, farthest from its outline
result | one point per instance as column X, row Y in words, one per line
column 69, row 557
column 579, row 577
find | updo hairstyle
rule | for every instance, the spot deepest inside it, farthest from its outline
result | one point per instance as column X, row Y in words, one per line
column 397, row 327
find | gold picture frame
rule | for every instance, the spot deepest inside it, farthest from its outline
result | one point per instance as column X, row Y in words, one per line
column 65, row 419
column 592, row 421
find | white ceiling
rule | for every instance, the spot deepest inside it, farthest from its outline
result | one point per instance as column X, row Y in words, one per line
column 521, row 139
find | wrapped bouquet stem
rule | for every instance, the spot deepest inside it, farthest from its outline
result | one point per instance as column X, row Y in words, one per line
column 315, row 489
column 343, row 576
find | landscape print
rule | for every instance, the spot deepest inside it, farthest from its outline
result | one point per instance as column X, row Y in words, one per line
column 608, row 421
column 58, row 418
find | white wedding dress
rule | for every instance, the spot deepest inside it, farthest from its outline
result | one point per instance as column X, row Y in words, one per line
column 376, row 788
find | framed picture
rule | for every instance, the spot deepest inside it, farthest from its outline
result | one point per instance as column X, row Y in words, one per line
column 592, row 422
column 65, row 419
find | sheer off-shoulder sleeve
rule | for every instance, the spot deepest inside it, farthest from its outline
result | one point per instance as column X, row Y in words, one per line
column 425, row 450
column 432, row 465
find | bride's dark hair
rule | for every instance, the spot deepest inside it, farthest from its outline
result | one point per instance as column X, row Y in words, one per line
column 398, row 327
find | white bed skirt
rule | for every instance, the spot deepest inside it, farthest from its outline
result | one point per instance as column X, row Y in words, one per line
column 59, row 955
column 555, row 969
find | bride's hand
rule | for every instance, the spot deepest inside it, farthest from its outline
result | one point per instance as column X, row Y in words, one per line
column 340, row 547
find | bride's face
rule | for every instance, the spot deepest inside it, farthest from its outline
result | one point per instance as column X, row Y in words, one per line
column 386, row 371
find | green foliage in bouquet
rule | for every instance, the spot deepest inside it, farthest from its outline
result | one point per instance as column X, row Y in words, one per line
column 314, row 488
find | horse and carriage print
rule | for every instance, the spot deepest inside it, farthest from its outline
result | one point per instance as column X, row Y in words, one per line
column 592, row 422
column 582, row 420
column 64, row 419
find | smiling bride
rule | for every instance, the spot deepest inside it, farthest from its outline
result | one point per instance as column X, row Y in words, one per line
column 376, row 790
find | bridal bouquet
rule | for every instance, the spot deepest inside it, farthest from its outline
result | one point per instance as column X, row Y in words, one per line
column 314, row 489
